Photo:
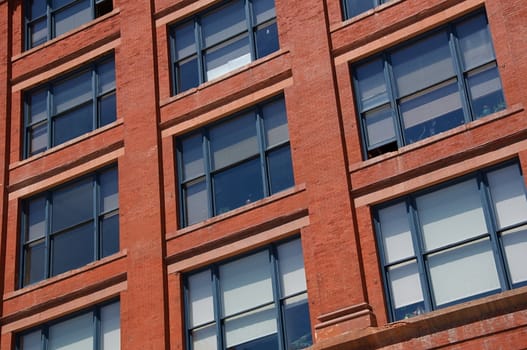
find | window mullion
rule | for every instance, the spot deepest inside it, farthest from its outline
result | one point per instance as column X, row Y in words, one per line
column 96, row 218
column 260, row 134
column 208, row 177
column 45, row 337
column 49, row 20
column 455, row 52
column 216, row 300
column 49, row 112
column 392, row 97
column 95, row 97
column 47, row 239
column 273, row 256
column 250, row 27
column 199, row 49
column 96, row 331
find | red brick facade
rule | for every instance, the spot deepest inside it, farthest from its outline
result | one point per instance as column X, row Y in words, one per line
column 335, row 188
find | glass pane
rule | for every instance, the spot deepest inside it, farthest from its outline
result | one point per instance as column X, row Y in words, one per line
column 56, row 4
column 379, row 125
column 38, row 139
column 72, row 124
column 192, row 156
column 405, row 286
column 422, row 64
column 227, row 57
column 107, row 109
column 37, row 8
column 355, row 7
column 280, row 169
column 291, row 265
column 508, row 194
column 432, row 112
column 72, row 249
column 250, row 327
column 187, row 74
column 371, row 83
column 515, row 245
column 233, row 140
column 204, row 338
column 246, row 283
column 297, row 323
column 275, row 123
column 451, row 214
column 36, row 218
column 237, row 186
column 109, row 235
column 223, row 23
column 263, row 10
column 196, row 202
column 475, row 42
column 463, row 272
column 266, row 40
column 73, row 334
column 106, row 75
column 72, row 17
column 31, row 341
column 39, row 32
column 34, row 263
column 38, row 106
column 185, row 40
column 72, row 205
column 110, row 327
column 72, row 92
column 486, row 91
column 200, row 298
column 109, row 191
column 396, row 235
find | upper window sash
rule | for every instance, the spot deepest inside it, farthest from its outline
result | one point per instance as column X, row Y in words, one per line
column 69, row 107
column 352, row 8
column 443, row 79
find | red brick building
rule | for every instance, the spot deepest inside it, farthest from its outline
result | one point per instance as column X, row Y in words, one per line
column 260, row 174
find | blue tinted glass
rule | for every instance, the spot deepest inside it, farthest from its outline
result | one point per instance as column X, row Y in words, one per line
column 223, row 23
column 372, row 85
column 475, row 42
column 107, row 109
column 37, row 8
column 266, row 40
column 36, row 213
column 297, row 325
column 34, row 263
column 109, row 227
column 485, row 91
column 72, row 17
column 280, row 169
column 409, row 311
column 72, row 91
column 227, row 57
column 196, row 202
column 106, row 76
column 263, row 10
column 185, row 40
column 237, row 186
column 187, row 74
column 265, row 343
column 355, row 7
column 59, row 3
column 72, row 249
column 72, row 124
column 192, row 156
column 72, row 205
column 109, row 191
column 37, row 106
column 38, row 32
column 38, row 139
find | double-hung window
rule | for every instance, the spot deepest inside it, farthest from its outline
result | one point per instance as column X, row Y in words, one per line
column 456, row 242
column 95, row 329
column 47, row 19
column 69, row 107
column 220, row 40
column 70, row 226
column 234, row 162
column 255, row 302
column 353, row 8
column 444, row 79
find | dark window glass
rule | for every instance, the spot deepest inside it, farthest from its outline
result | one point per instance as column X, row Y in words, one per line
column 353, row 8
column 110, row 235
column 71, row 249
column 423, row 88
column 234, row 162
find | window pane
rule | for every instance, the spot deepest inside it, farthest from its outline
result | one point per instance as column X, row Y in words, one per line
column 106, row 75
column 34, row 263
column 463, row 272
column 38, row 106
column 280, row 169
column 223, row 23
column 204, row 338
column 72, row 17
column 266, row 40
column 185, row 40
column 371, row 84
column 515, row 246
column 109, row 227
column 406, row 287
column 72, row 205
column 37, row 8
column 73, row 334
column 56, row 4
column 451, row 214
column 508, row 194
column 36, row 218
column 187, row 74
column 72, row 92
column 192, row 156
column 200, row 298
column 422, row 64
column 233, row 140
column 396, row 235
column 31, row 341
column 379, row 125
column 263, row 10
column 109, row 192
column 475, row 42
column 485, row 91
column 238, row 186
column 227, row 57
column 38, row 139
column 110, row 327
column 275, row 123
column 72, row 124
column 355, row 7
column 243, row 288
column 291, row 265
column 196, row 202
column 297, row 324
column 107, row 109
column 39, row 32
column 250, row 327
column 72, row 249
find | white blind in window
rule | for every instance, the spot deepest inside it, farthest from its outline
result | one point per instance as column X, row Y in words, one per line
column 396, row 233
column 251, row 326
column 200, row 298
column 72, row 334
column 110, row 327
column 291, row 264
column 405, row 283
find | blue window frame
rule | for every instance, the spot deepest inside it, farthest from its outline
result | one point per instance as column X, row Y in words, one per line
column 455, row 242
column 70, row 106
column 47, row 19
column 94, row 329
column 353, row 8
column 444, row 79
column 220, row 40
column 70, row 226
column 254, row 302
column 234, row 162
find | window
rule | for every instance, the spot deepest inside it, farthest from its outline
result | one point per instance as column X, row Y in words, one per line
column 444, row 79
column 255, row 302
column 455, row 242
column 68, row 227
column 47, row 19
column 69, row 107
column 220, row 40
column 97, row 329
column 234, row 162
column 353, row 8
